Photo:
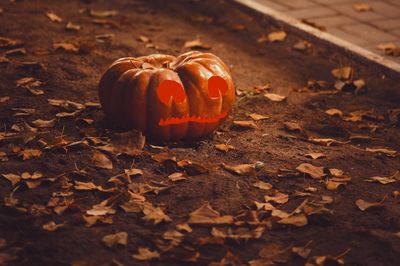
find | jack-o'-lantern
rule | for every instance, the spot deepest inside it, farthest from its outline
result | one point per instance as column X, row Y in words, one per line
column 166, row 97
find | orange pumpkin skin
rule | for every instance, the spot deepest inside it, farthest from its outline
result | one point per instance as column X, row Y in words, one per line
column 131, row 95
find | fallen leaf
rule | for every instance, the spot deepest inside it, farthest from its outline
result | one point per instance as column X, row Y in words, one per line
column 257, row 117
column 100, row 209
column 362, row 7
column 101, row 161
column 241, row 233
column 196, row 44
column 264, row 206
column 245, row 124
column 343, row 73
column 103, row 13
column 143, row 39
column 274, row 97
column 92, row 220
column 30, row 153
column 15, row 52
column 52, row 226
column 303, row 252
column 390, row 49
column 206, row 215
column 178, row 176
column 13, row 178
column 279, row 198
column 386, row 151
column 365, row 205
column 72, row 26
column 277, row 36
column 145, row 254
column 262, row 185
column 296, row 220
column 154, row 214
column 315, row 155
column 44, row 123
column 385, row 179
column 336, row 172
column 333, row 185
column 175, row 237
column 327, row 141
column 68, row 47
column 302, row 46
column 85, row 185
column 315, row 172
column 224, row 147
column 114, row 239
column 53, row 17
column 240, row 169
column 334, row 111
column 292, row 126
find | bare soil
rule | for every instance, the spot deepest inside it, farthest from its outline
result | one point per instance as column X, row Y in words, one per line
column 343, row 232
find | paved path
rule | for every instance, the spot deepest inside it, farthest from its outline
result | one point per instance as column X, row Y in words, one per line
column 366, row 29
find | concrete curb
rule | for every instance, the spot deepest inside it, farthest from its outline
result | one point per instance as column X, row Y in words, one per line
column 389, row 67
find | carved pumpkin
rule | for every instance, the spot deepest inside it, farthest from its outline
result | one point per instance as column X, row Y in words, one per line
column 166, row 97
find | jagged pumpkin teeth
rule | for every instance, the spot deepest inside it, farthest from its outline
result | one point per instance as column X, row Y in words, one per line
column 135, row 95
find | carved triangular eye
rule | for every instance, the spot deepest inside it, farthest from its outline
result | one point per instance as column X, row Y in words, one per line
column 171, row 89
column 217, row 86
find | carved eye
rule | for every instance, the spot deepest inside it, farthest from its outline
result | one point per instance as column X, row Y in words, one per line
column 216, row 86
column 170, row 89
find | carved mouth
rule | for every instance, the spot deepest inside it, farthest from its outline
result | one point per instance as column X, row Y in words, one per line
column 198, row 119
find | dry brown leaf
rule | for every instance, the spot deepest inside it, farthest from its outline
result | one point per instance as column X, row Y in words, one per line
column 35, row 175
column 390, row 49
column 53, row 17
column 85, row 185
column 316, row 172
column 302, row 46
column 145, row 254
column 362, row 7
column 295, row 219
column 44, row 123
column 385, row 179
column 240, row 169
column 264, row 206
column 262, row 185
column 277, row 36
column 196, row 44
column 334, row 111
column 92, row 220
column 30, row 153
column 52, row 226
column 72, row 26
column 315, row 155
column 327, row 141
column 257, row 117
column 336, row 172
column 206, row 215
column 154, row 214
column 279, row 198
column 13, row 178
column 343, row 73
column 386, row 151
column 100, row 209
column 111, row 240
column 103, row 13
column 333, row 185
column 143, row 39
column 241, row 233
column 15, row 52
column 175, row 237
column 224, row 147
column 101, row 161
column 68, row 47
column 303, row 252
column 245, row 124
column 292, row 126
column 274, row 97
column 365, row 205
column 178, row 176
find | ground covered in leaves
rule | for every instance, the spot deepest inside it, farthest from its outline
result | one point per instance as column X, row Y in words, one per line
column 304, row 172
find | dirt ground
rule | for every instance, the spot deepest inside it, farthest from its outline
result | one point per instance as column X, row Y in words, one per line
column 58, row 203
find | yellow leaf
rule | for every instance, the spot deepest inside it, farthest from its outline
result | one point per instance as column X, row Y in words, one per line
column 114, row 239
